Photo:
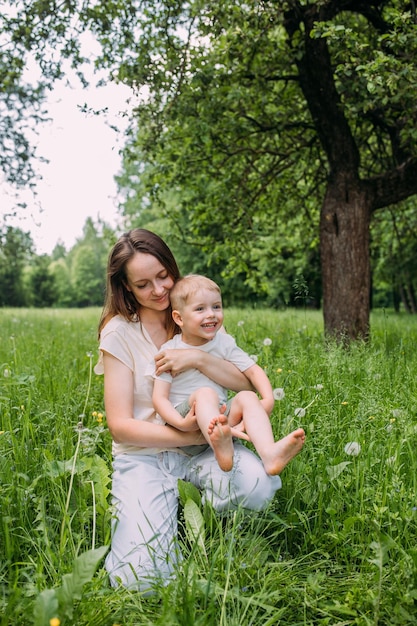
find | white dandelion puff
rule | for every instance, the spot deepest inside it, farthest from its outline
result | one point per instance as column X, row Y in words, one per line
column 279, row 393
column 254, row 357
column 299, row 412
column 352, row 448
column 267, row 341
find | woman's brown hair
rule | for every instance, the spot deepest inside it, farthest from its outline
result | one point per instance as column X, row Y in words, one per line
column 120, row 301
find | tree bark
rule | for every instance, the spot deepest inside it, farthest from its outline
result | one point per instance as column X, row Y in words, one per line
column 345, row 261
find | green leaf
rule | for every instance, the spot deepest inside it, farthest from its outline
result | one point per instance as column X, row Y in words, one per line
column 85, row 567
column 187, row 491
column 101, row 475
column 194, row 524
column 46, row 607
column 335, row 470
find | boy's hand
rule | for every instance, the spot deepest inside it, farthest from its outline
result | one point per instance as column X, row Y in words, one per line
column 190, row 421
column 239, row 431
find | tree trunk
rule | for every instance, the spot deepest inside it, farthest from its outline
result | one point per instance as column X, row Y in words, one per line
column 345, row 261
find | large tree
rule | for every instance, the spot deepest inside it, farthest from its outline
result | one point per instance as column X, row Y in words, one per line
column 256, row 110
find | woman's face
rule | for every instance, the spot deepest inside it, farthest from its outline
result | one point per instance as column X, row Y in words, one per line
column 149, row 281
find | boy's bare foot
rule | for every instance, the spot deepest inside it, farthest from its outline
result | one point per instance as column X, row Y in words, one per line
column 283, row 451
column 220, row 436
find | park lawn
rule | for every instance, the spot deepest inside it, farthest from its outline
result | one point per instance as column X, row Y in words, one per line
column 337, row 545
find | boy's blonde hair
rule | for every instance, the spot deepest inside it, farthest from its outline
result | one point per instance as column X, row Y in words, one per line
column 187, row 286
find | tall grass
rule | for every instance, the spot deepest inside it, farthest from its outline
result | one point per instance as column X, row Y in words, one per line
column 336, row 546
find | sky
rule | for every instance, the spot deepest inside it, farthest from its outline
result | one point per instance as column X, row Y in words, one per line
column 83, row 154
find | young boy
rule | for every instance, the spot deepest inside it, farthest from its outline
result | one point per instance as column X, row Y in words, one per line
column 190, row 400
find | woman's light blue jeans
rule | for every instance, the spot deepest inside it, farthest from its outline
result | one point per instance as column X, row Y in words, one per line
column 144, row 548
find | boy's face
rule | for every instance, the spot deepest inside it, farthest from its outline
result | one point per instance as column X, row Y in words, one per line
column 201, row 317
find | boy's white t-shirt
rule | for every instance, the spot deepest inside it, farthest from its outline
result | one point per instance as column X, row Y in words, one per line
column 222, row 346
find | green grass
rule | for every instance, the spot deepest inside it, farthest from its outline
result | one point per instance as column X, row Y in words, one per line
column 337, row 545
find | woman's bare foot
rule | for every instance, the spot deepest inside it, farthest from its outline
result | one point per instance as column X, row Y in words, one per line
column 283, row 451
column 220, row 436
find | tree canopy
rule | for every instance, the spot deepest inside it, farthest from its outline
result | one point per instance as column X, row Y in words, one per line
column 263, row 129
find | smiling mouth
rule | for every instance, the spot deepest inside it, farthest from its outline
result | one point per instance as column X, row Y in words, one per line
column 209, row 325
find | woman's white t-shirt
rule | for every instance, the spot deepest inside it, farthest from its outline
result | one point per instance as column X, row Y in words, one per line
column 131, row 344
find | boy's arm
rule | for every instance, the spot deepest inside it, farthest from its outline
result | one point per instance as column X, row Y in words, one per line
column 260, row 382
column 163, row 406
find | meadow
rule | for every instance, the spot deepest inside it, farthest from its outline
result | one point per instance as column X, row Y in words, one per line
column 337, row 546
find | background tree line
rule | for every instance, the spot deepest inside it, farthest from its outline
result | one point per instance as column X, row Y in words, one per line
column 76, row 277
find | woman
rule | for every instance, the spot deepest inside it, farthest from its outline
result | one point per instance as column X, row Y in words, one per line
column 149, row 456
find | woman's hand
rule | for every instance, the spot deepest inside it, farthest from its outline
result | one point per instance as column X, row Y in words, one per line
column 176, row 361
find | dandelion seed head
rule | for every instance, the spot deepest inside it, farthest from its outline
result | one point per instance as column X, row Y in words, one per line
column 318, row 387
column 240, row 323
column 396, row 413
column 299, row 412
column 6, row 373
column 279, row 393
column 352, row 448
column 254, row 357
column 267, row 341
column 89, row 354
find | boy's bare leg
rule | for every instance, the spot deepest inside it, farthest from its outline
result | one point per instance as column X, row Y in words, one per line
column 275, row 455
column 214, row 426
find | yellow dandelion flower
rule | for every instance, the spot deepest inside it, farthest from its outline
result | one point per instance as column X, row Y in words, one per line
column 94, row 413
column 344, row 403
column 54, row 621
column 392, row 420
column 279, row 370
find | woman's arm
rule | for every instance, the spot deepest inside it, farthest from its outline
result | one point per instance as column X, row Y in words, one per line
column 222, row 372
column 118, row 401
